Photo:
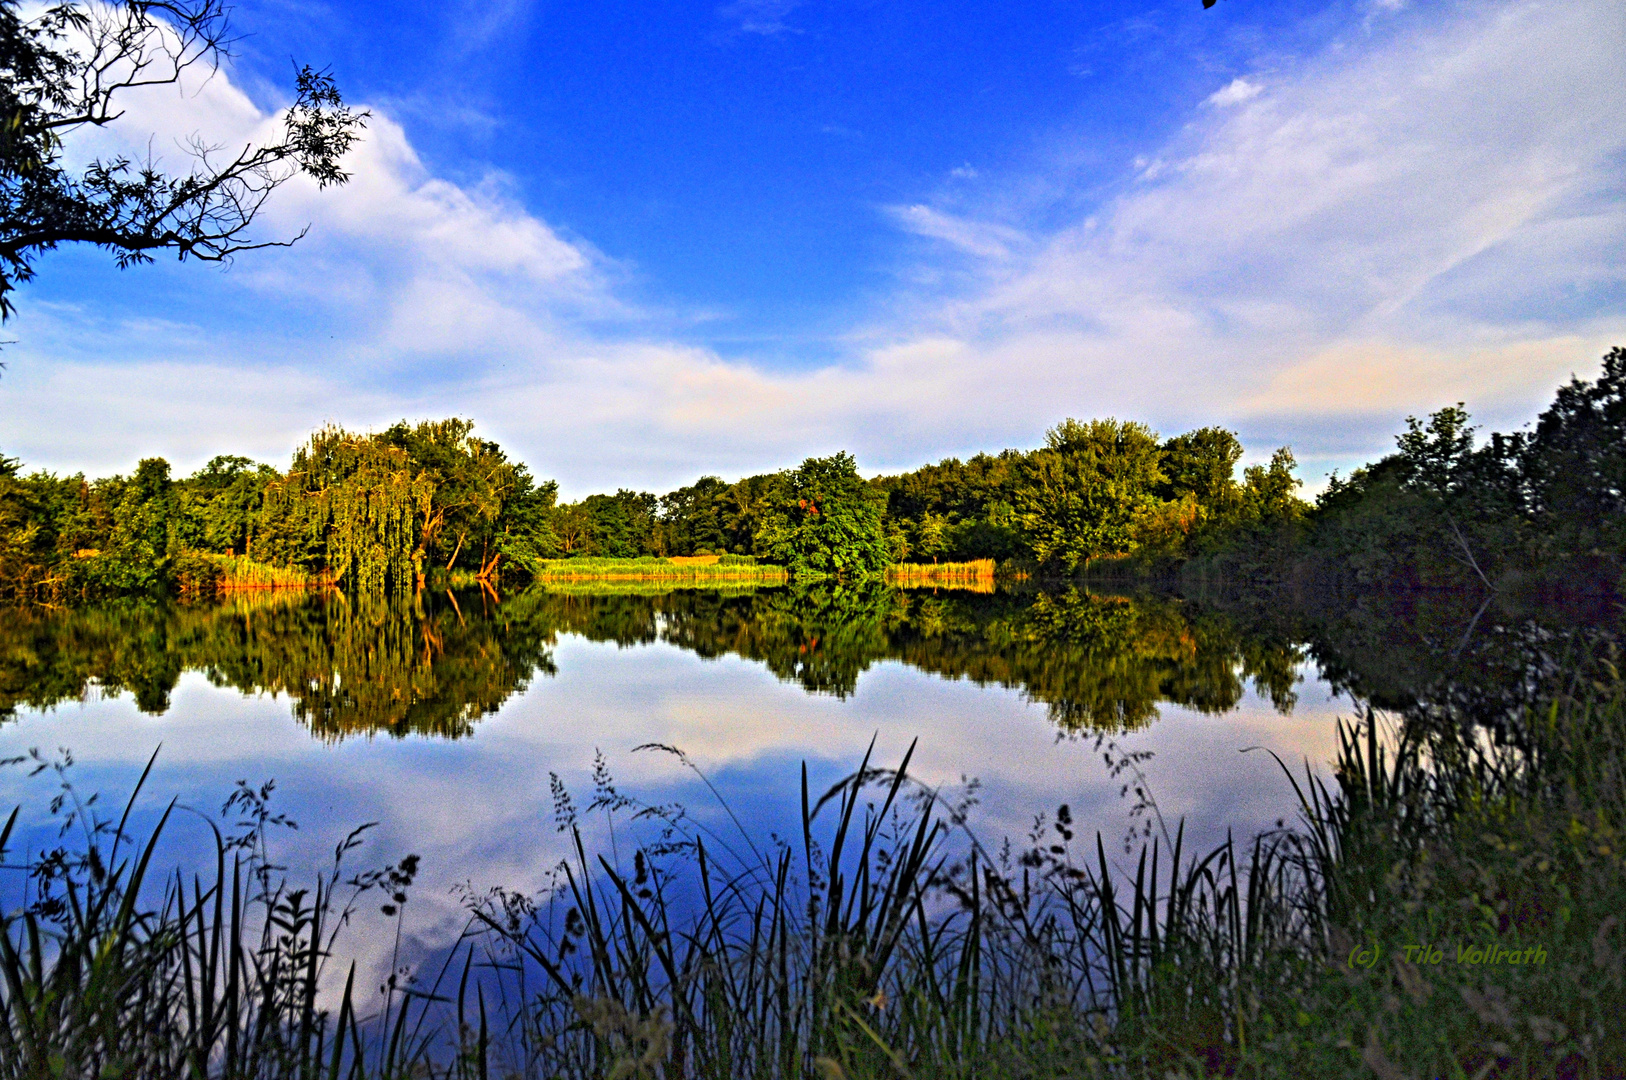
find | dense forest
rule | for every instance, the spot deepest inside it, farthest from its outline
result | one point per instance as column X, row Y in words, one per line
column 1534, row 510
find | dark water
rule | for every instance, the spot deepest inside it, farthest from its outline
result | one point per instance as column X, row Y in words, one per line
column 443, row 718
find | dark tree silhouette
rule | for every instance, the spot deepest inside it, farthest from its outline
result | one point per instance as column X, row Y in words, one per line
column 67, row 69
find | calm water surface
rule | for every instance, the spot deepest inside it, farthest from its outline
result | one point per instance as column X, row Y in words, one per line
column 443, row 718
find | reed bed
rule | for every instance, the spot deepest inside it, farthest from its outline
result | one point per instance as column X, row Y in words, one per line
column 692, row 571
column 976, row 576
column 887, row 941
column 241, row 573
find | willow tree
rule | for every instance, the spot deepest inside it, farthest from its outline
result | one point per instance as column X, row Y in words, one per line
column 352, row 504
column 471, row 484
column 383, row 510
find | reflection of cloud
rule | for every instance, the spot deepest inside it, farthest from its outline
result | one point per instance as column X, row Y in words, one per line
column 480, row 810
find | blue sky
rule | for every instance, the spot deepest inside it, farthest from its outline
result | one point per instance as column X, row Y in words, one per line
column 637, row 242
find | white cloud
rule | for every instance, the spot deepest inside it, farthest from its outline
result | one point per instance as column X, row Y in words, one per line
column 1235, row 92
column 1393, row 226
column 1390, row 229
column 984, row 239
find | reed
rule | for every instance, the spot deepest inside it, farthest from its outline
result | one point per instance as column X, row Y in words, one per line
column 241, row 573
column 977, row 576
column 887, row 941
column 693, row 570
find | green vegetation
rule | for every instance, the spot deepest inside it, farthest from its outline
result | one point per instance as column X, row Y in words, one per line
column 395, row 509
column 371, row 513
column 834, row 527
column 1539, row 514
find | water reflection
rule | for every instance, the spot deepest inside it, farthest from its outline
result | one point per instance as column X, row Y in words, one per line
column 1463, row 659
column 428, row 665
column 434, row 664
column 750, row 684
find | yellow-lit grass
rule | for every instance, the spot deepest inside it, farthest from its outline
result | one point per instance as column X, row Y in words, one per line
column 975, row 576
column 241, row 572
column 698, row 570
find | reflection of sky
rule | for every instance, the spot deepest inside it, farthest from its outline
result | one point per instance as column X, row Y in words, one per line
column 479, row 810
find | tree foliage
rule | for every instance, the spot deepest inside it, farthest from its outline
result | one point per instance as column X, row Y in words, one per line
column 1540, row 509
column 1087, row 490
column 392, row 509
column 69, row 68
column 826, row 522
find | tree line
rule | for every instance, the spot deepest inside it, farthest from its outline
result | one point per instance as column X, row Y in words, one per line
column 395, row 508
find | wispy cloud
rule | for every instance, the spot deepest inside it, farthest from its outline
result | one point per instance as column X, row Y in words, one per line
column 988, row 240
column 1384, row 229
column 764, row 17
column 1235, row 92
column 1395, row 225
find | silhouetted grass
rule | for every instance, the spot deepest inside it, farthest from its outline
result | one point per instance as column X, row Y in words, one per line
column 886, row 941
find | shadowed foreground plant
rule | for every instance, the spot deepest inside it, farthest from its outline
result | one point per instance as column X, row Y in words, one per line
column 107, row 973
column 887, row 941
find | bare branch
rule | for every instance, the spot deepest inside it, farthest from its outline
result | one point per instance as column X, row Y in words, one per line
column 66, row 68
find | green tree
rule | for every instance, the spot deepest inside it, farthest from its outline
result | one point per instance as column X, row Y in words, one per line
column 1572, row 468
column 694, row 517
column 622, row 525
column 219, row 503
column 136, row 551
column 470, row 481
column 1270, row 492
column 932, row 535
column 1201, row 463
column 827, row 522
column 1083, row 494
column 351, row 504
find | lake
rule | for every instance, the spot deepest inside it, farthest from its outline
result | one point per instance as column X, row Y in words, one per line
column 450, row 719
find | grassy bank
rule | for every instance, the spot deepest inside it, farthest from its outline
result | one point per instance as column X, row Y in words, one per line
column 1448, row 907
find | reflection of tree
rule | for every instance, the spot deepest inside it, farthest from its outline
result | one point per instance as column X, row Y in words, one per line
column 434, row 665
column 1100, row 663
column 1097, row 662
column 1453, row 657
column 431, row 665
